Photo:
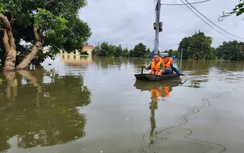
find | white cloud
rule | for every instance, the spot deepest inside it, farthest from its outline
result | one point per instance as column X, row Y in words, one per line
column 129, row 22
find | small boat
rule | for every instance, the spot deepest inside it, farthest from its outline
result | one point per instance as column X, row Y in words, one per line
column 151, row 77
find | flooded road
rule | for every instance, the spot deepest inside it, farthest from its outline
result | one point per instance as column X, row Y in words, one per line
column 95, row 105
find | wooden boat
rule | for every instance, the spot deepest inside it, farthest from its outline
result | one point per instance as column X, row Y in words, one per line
column 150, row 77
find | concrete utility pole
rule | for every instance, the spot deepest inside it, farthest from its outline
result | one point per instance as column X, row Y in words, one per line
column 157, row 26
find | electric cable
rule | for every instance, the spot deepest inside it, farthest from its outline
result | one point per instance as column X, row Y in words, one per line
column 213, row 22
column 130, row 20
column 205, row 21
column 186, row 4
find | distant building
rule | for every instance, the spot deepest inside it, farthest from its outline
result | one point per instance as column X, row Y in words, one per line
column 77, row 58
column 86, row 49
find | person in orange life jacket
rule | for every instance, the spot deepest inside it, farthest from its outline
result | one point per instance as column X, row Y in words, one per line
column 156, row 66
column 169, row 68
column 167, row 65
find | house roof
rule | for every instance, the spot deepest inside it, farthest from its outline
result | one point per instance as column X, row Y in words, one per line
column 88, row 46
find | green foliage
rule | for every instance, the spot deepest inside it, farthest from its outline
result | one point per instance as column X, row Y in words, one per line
column 198, row 45
column 231, row 50
column 172, row 52
column 84, row 53
column 96, row 50
column 105, row 49
column 57, row 22
column 175, row 53
column 125, row 52
column 140, row 50
column 111, row 51
column 2, row 6
column 118, row 51
column 237, row 10
column 51, row 27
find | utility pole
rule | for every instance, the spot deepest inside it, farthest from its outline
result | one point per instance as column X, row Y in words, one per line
column 157, row 26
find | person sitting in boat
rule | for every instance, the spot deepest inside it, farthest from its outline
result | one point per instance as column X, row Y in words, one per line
column 156, row 66
column 169, row 68
column 167, row 65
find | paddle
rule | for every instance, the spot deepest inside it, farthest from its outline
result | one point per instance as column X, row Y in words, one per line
column 142, row 70
column 184, row 75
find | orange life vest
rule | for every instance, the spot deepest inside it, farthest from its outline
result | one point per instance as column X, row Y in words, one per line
column 155, row 67
column 166, row 91
column 168, row 64
column 154, row 93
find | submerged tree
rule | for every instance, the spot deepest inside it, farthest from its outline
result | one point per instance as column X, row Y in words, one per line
column 198, row 45
column 27, row 26
column 232, row 50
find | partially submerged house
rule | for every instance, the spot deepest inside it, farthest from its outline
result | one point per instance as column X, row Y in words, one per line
column 78, row 57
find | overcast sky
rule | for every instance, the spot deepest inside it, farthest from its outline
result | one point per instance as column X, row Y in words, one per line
column 130, row 22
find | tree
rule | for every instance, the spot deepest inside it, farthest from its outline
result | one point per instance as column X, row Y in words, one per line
column 232, row 50
column 237, row 10
column 131, row 53
column 39, row 24
column 111, row 51
column 118, row 51
column 96, row 50
column 107, row 50
column 104, row 47
column 198, row 45
column 141, row 50
column 125, row 52
column 185, row 42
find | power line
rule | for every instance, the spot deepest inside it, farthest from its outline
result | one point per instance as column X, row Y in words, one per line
column 212, row 22
column 185, row 4
column 181, row 5
column 130, row 20
column 205, row 18
column 205, row 21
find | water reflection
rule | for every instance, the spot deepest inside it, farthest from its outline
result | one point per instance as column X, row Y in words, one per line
column 157, row 90
column 226, row 66
column 198, row 71
column 41, row 108
column 75, row 59
column 177, row 137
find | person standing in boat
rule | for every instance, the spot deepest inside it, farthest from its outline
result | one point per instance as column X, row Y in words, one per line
column 156, row 66
column 169, row 68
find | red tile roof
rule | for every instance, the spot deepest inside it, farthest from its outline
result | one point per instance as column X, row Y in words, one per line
column 88, row 46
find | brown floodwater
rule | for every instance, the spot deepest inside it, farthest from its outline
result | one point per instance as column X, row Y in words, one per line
column 95, row 105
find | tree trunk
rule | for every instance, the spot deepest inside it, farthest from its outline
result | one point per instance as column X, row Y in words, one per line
column 34, row 82
column 9, row 63
column 33, row 52
column 10, row 47
column 12, row 84
column 9, row 44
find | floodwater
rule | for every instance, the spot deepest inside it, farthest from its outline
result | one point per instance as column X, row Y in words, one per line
column 95, row 105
